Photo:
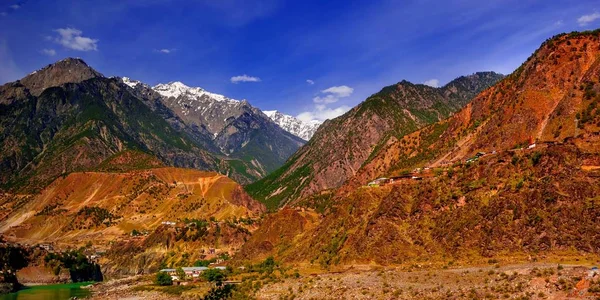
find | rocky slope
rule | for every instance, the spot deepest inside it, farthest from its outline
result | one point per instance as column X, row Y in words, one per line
column 512, row 201
column 341, row 146
column 551, row 98
column 531, row 202
column 121, row 217
column 101, row 206
column 299, row 128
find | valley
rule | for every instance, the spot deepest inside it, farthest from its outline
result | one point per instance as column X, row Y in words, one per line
column 486, row 187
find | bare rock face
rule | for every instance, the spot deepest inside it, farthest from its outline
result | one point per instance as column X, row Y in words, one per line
column 69, row 70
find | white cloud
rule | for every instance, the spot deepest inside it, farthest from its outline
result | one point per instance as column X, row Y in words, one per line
column 586, row 19
column 244, row 78
column 15, row 6
column 333, row 94
column 310, row 81
column 72, row 38
column 326, row 100
column 432, row 83
column 49, row 52
column 322, row 113
column 341, row 91
column 165, row 50
column 330, row 95
column 4, row 14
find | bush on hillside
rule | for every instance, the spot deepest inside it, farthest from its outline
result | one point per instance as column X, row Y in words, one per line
column 163, row 279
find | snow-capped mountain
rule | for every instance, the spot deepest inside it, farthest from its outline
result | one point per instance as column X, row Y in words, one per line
column 177, row 88
column 297, row 127
column 225, row 125
column 200, row 107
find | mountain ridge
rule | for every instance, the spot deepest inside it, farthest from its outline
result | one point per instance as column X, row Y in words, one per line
column 553, row 117
column 340, row 147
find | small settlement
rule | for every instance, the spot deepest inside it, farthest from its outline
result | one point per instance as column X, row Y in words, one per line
column 190, row 272
column 420, row 173
column 391, row 180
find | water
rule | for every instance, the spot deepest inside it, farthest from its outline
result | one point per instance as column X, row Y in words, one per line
column 50, row 292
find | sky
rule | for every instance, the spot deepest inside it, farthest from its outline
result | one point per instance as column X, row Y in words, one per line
column 310, row 59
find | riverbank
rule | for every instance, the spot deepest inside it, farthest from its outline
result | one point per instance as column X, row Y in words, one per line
column 129, row 288
column 495, row 281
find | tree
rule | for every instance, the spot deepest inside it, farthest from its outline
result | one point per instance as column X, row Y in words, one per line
column 213, row 275
column 180, row 273
column 163, row 279
column 204, row 262
column 221, row 292
column 13, row 258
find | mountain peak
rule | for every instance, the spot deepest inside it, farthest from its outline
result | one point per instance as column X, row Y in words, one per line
column 295, row 126
column 132, row 83
column 68, row 70
column 271, row 113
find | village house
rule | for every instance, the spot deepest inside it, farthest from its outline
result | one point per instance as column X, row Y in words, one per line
column 47, row 247
column 472, row 159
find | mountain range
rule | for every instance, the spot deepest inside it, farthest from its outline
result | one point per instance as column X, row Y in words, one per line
column 513, row 174
column 68, row 117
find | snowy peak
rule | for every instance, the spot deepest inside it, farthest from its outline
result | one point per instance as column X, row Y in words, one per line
column 177, row 88
column 130, row 82
column 301, row 129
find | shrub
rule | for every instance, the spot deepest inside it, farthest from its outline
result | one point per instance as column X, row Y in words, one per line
column 268, row 265
column 163, row 279
column 535, row 158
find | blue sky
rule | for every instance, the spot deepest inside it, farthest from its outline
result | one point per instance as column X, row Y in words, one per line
column 315, row 59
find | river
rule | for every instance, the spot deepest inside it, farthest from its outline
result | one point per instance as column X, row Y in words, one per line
column 50, row 292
